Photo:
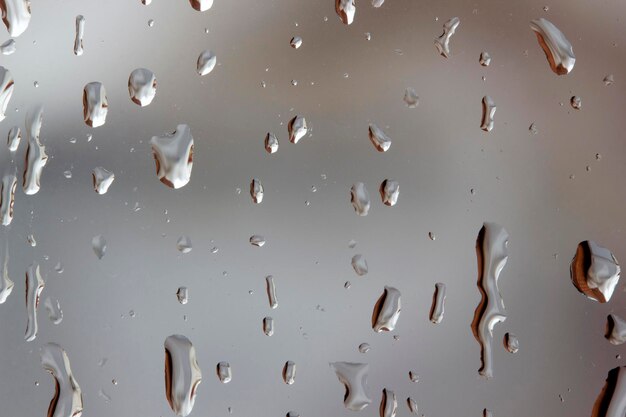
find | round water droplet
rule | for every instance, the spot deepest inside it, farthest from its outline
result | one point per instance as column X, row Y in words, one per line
column 151, row 23
column 184, row 244
column 576, row 102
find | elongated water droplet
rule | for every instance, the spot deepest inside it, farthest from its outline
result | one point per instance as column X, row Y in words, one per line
column 182, row 374
column 80, row 32
column 616, row 329
column 99, row 245
column 487, row 413
column 379, row 139
column 557, row 48
column 354, row 377
column 439, row 300
column 388, row 404
column 224, row 373
column 183, row 295
column 389, row 192
column 14, row 138
column 364, row 347
column 8, row 47
column 6, row 284
column 576, row 102
column 31, row 240
column 511, row 343
column 297, row 128
column 289, row 372
column 412, row 404
column 173, row 155
column 268, row 326
column 489, row 110
column 442, row 43
column 184, row 244
column 257, row 240
column 6, row 89
column 413, row 376
column 256, row 191
column 15, row 15
column 594, row 271
column 95, row 104
column 492, row 253
column 68, row 398
column 271, row 143
column 360, row 199
column 410, row 98
column 386, row 310
column 271, row 291
column 7, row 196
column 102, row 179
column 345, row 10
column 55, row 314
column 142, row 86
column 485, row 59
column 201, row 5
column 34, row 287
column 206, row 62
column 359, row 264
column 296, row 42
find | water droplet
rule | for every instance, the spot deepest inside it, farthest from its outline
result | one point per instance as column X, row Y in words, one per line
column 410, row 98
column 431, row 236
column 15, row 15
column 182, row 374
column 359, row 264
column 102, row 180
column 13, row 138
column 442, row 43
column 595, row 272
column 34, row 287
column 386, row 310
column 377, row 3
column 80, row 32
column 68, row 398
column 173, row 155
column 389, row 192
column 58, row 268
column 511, row 343
column 412, row 404
column 485, row 59
column 146, row 2
column 439, row 300
column 368, row 36
column 151, row 23
column 608, row 80
column 67, row 174
column 611, row 401
column 345, row 10
column 142, row 86
column 104, row 396
column 95, row 104
column 557, row 48
column 379, row 139
column 31, row 240
column 99, row 245
column 6, row 284
column 388, row 404
column 256, row 191
column 257, row 240
column 598, row 157
column 364, row 347
column 360, row 199
column 271, row 291
column 489, row 110
column 224, row 372
column 268, row 326
column 413, row 376
column 533, row 129
column 184, row 244
column 7, row 196
column 354, row 377
column 297, row 129
column 492, row 253
column 295, row 42
column 182, row 294
column 271, row 143
column 201, row 5
column 347, row 285
column 8, row 47
column 206, row 62
column 576, row 102
column 6, row 89
column 289, row 372
column 55, row 314
column 488, row 413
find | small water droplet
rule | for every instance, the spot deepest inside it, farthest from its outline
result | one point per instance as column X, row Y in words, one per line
column 511, row 343
column 182, row 294
column 142, row 86
column 206, row 62
column 296, row 42
column 95, row 104
column 439, row 300
column 346, row 10
column 102, row 180
column 173, row 155
column 99, row 245
column 364, row 347
column 608, row 80
column 485, row 59
column 151, row 23
column 360, row 199
column 271, row 143
column 256, row 191
column 184, row 244
column 224, row 373
column 289, row 373
column 410, row 98
column 359, row 264
column 268, row 326
column 297, row 128
column 80, row 32
column 576, row 102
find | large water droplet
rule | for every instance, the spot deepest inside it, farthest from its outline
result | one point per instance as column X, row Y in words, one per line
column 271, row 291
column 95, row 104
column 80, row 32
column 99, row 245
column 386, row 310
column 173, row 155
column 6, row 284
column 142, row 86
column 557, row 48
column 68, row 398
column 297, row 129
column 345, row 10
column 182, row 374
column 439, row 300
column 616, row 329
column 354, row 377
column 7, row 198
column 360, row 199
column 102, row 179
column 442, row 43
column 206, row 62
column 15, row 15
column 594, row 271
column 34, row 287
column 36, row 157
column 388, row 404
column 489, row 110
column 6, row 90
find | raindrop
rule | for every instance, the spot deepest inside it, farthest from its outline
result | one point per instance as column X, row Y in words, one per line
column 31, row 240
column 413, row 376
column 6, row 89
column 182, row 374
column 485, row 59
column 224, row 372
column 533, row 129
column 80, row 32
column 206, row 62
column 173, row 155
column 13, row 138
column 616, row 327
column 34, row 287
column 182, row 294
column 354, row 378
column 297, row 129
column 7, row 196
column 295, row 42
column 15, row 15
column 268, row 326
column 442, row 43
column 388, row 404
column 368, row 36
column 99, row 246
column 576, row 102
column 439, row 299
column 386, row 310
column 359, row 264
column 389, row 192
column 201, row 5
column 271, row 291
column 557, row 48
column 360, row 199
column 55, row 314
column 151, row 23
column 271, row 143
column 379, row 139
column 364, row 347
column 8, row 47
column 345, row 10
column 68, row 398
column 410, row 98
column 184, row 244
column 595, row 271
column 489, row 110
column 102, row 180
column 289, row 373
column 256, row 191
column 412, row 404
column 142, row 86
column 608, row 80
column 511, row 343
column 95, row 104
column 257, row 240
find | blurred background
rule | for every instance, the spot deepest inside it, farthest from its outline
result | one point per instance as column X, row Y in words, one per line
column 550, row 187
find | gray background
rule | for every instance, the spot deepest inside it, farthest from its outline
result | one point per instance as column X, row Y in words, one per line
column 439, row 153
